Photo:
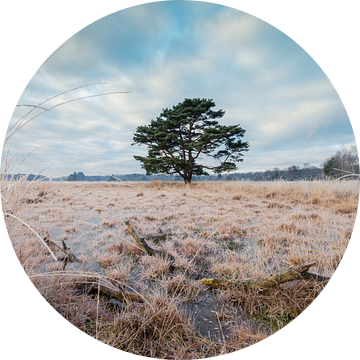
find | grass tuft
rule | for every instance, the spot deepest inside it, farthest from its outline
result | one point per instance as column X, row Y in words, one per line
column 221, row 229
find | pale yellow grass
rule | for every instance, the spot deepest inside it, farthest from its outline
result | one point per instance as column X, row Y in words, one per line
column 223, row 229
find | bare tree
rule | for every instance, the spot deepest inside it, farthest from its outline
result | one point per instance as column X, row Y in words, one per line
column 344, row 162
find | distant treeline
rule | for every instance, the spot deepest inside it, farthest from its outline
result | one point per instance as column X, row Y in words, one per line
column 291, row 173
column 343, row 163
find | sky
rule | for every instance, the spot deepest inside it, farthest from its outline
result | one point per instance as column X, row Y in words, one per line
column 157, row 55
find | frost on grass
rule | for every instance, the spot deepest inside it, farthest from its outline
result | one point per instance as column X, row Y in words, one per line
column 224, row 229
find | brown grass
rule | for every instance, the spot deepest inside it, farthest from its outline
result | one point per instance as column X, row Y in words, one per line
column 233, row 230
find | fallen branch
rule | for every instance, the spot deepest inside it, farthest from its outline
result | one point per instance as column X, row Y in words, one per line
column 342, row 177
column 102, row 283
column 117, row 292
column 143, row 245
column 69, row 255
column 316, row 277
column 296, row 272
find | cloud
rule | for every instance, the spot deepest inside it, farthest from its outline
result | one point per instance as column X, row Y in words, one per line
column 167, row 51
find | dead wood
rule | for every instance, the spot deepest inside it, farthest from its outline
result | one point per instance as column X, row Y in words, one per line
column 116, row 291
column 142, row 243
column 69, row 255
column 296, row 272
column 101, row 283
column 310, row 276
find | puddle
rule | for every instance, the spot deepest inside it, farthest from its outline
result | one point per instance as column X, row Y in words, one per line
column 92, row 265
column 87, row 237
column 204, row 313
column 211, row 318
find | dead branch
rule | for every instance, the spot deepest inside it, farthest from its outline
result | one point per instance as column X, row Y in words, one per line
column 142, row 243
column 296, row 272
column 69, row 255
column 310, row 276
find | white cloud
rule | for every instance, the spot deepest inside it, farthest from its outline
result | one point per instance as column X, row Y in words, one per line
column 261, row 78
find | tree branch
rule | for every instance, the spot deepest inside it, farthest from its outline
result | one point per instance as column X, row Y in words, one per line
column 297, row 272
column 215, row 167
column 142, row 243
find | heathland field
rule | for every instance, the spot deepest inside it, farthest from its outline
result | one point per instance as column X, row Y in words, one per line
column 227, row 230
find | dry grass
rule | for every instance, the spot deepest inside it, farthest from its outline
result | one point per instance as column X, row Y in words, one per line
column 223, row 229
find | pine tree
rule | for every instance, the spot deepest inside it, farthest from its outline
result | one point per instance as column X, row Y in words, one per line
column 180, row 136
column 328, row 167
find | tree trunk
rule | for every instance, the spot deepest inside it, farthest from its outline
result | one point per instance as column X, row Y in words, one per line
column 297, row 272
